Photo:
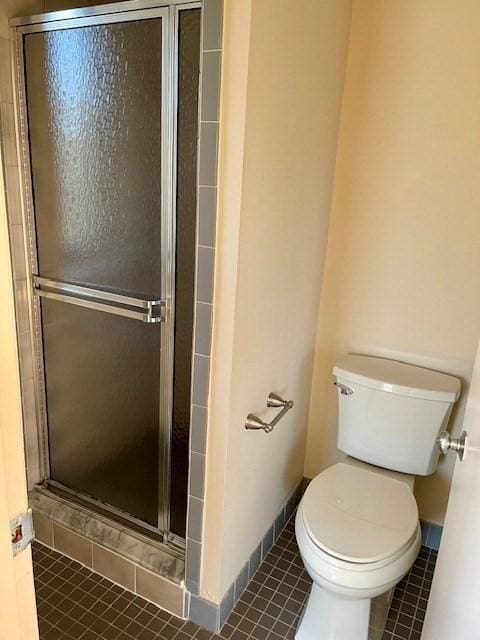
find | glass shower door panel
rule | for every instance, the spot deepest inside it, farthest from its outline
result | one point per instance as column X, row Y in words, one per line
column 94, row 98
column 187, row 133
column 101, row 377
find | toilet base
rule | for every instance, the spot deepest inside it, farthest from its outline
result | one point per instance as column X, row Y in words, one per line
column 329, row 617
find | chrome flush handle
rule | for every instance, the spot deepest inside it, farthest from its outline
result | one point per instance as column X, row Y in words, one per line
column 446, row 443
column 344, row 390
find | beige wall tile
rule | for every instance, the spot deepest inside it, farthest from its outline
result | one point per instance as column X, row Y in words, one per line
column 21, row 305
column 17, row 247
column 162, row 592
column 14, row 201
column 112, row 566
column 31, row 435
column 8, row 134
column 6, row 92
column 43, row 528
column 72, row 545
column 26, row 356
column 3, row 26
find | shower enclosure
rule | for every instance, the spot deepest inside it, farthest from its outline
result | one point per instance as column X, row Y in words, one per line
column 108, row 108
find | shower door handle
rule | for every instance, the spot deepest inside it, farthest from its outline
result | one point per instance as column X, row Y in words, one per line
column 149, row 311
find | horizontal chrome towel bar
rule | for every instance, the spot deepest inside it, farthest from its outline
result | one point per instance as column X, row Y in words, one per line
column 273, row 400
column 100, row 300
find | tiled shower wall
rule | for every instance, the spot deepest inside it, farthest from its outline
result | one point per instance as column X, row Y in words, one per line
column 207, row 200
column 211, row 52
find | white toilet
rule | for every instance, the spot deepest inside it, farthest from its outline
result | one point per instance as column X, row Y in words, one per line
column 357, row 524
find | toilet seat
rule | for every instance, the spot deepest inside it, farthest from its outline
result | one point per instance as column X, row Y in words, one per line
column 358, row 515
column 353, row 579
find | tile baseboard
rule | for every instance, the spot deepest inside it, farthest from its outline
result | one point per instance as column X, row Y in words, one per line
column 431, row 534
column 212, row 616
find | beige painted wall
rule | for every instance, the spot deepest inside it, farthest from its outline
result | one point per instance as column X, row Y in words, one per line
column 402, row 274
column 14, row 8
column 283, row 75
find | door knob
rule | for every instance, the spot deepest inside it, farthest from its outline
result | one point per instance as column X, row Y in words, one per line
column 446, row 443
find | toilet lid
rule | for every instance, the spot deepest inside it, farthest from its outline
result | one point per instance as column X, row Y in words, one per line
column 358, row 515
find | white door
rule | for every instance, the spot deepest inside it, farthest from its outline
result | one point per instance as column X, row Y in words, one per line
column 453, row 611
column 18, row 620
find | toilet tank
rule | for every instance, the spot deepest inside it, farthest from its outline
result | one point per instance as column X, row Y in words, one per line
column 390, row 412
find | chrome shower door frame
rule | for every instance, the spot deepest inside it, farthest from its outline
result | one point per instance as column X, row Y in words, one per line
column 106, row 14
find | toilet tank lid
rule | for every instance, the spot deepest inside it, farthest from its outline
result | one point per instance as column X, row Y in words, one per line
column 397, row 377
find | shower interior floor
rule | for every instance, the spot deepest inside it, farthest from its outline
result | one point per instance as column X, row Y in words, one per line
column 75, row 603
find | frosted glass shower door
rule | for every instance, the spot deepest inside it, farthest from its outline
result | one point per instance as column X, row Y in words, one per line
column 95, row 96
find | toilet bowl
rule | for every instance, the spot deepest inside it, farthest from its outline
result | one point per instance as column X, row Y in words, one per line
column 358, row 534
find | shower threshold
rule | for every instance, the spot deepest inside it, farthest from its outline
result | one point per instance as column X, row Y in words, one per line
column 55, row 511
column 96, row 506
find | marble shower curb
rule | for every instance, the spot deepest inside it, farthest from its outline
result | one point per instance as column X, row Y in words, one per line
column 133, row 546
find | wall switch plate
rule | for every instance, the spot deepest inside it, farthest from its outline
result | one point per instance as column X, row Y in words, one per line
column 21, row 531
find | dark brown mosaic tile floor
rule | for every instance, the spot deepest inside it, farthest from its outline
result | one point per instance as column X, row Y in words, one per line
column 407, row 611
column 76, row 604
column 271, row 605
